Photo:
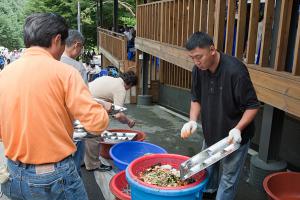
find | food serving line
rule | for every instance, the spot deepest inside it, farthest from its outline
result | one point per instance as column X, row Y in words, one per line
column 147, row 166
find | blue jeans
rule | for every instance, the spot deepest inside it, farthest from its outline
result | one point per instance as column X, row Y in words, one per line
column 224, row 175
column 78, row 156
column 62, row 182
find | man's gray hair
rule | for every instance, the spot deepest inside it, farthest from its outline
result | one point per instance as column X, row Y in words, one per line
column 74, row 36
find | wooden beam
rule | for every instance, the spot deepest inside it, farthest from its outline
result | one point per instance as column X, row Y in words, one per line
column 210, row 17
column 175, row 23
column 219, row 24
column 115, row 61
column 283, row 34
column 203, row 15
column 190, row 21
column 230, row 26
column 296, row 63
column 252, row 37
column 267, row 33
column 196, row 16
column 241, row 28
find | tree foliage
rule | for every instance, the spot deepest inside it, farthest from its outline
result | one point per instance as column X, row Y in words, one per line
column 13, row 13
column 11, row 23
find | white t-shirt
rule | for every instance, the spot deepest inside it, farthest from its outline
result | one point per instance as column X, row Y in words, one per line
column 109, row 88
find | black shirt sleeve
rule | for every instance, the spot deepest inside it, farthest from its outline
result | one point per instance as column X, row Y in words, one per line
column 245, row 94
column 196, row 86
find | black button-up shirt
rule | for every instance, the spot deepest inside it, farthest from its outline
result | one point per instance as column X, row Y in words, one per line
column 224, row 96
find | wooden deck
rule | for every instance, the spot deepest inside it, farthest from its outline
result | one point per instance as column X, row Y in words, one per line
column 103, row 179
column 163, row 27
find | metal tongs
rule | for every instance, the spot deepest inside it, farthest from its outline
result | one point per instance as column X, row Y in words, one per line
column 114, row 108
column 206, row 158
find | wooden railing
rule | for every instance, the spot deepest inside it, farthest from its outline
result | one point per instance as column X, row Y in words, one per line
column 175, row 76
column 114, row 43
column 163, row 27
column 173, row 21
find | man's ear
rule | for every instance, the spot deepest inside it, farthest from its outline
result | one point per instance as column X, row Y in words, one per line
column 57, row 39
column 213, row 50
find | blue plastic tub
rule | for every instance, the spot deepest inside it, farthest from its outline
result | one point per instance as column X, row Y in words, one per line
column 125, row 152
column 142, row 191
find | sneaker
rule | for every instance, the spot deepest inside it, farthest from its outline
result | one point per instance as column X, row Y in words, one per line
column 102, row 168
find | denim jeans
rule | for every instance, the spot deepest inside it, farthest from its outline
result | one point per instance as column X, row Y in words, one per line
column 61, row 183
column 78, row 155
column 224, row 175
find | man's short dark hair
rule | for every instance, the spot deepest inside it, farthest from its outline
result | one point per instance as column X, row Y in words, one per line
column 129, row 78
column 74, row 36
column 199, row 39
column 40, row 28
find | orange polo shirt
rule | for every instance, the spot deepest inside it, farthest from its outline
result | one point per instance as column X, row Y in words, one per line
column 39, row 99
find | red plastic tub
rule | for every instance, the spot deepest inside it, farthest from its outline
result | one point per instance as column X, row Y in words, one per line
column 141, row 190
column 283, row 186
column 118, row 184
column 105, row 146
column 141, row 164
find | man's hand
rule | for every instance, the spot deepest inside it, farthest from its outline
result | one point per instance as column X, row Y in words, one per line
column 188, row 129
column 131, row 123
column 234, row 136
column 121, row 117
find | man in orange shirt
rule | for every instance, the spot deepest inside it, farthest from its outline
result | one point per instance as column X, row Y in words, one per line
column 40, row 97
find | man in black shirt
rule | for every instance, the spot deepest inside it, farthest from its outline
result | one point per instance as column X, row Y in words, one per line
column 223, row 92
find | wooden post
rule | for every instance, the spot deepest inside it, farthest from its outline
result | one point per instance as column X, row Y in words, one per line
column 267, row 33
column 296, row 63
column 240, row 33
column 219, row 24
column 252, row 37
column 283, row 34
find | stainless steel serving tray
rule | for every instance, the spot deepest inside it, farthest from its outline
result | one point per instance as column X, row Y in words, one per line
column 116, row 137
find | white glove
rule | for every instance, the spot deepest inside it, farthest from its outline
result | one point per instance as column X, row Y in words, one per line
column 188, row 129
column 234, row 136
column 78, row 135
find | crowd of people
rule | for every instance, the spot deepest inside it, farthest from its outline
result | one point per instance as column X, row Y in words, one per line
column 49, row 89
column 7, row 56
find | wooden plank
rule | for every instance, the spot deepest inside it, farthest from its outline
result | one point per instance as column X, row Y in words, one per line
column 179, row 22
column 211, row 17
column 178, row 56
column 138, row 18
column 184, row 23
column 252, row 37
column 190, row 20
column 267, row 33
column 296, row 63
column 161, row 21
column 170, row 11
column 155, row 23
column 166, row 15
column 219, row 24
column 283, row 34
column 175, row 22
column 241, row 28
column 158, row 21
column 230, row 26
column 277, row 91
column 103, row 179
column 196, row 16
column 146, row 22
column 203, row 15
